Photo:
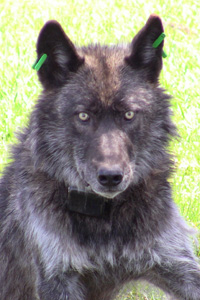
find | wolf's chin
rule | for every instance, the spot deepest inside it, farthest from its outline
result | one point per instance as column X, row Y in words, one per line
column 108, row 195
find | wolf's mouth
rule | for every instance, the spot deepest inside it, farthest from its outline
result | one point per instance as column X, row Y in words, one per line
column 89, row 188
column 108, row 194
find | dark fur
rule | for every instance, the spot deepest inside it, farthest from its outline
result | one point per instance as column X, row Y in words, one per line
column 48, row 252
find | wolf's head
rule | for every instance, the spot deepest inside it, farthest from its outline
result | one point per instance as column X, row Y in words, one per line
column 102, row 121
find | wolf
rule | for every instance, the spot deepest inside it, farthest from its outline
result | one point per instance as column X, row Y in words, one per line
column 86, row 203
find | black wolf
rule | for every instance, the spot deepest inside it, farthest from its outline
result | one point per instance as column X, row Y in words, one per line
column 86, row 205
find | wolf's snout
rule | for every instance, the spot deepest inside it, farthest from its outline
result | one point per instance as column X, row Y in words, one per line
column 110, row 177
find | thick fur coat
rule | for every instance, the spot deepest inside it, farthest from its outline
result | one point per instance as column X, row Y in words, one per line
column 101, row 127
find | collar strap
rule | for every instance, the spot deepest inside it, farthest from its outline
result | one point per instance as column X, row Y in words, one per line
column 85, row 203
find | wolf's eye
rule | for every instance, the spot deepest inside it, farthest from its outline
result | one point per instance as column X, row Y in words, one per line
column 83, row 116
column 129, row 115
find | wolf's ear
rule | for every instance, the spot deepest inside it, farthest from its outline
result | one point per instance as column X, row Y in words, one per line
column 143, row 55
column 62, row 57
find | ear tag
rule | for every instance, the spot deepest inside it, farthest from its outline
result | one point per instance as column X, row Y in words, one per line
column 38, row 63
column 158, row 41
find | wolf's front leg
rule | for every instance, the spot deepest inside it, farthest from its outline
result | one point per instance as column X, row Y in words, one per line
column 66, row 286
column 179, row 278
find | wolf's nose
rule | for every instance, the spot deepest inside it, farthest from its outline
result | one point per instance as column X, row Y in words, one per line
column 110, row 177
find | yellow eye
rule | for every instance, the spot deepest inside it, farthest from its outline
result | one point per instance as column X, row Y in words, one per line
column 129, row 115
column 83, row 116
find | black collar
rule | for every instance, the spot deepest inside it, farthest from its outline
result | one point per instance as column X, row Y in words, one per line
column 88, row 203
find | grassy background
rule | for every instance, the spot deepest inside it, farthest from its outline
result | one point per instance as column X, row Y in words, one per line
column 109, row 21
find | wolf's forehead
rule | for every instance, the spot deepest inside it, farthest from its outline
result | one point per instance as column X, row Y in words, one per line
column 97, row 55
column 104, row 65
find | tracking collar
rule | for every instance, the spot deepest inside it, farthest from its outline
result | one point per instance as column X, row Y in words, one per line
column 87, row 203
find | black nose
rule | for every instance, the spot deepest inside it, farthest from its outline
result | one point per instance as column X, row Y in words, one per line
column 110, row 177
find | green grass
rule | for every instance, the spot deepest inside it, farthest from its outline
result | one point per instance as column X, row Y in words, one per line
column 109, row 21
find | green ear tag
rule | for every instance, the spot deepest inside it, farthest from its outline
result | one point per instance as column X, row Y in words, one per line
column 37, row 65
column 158, row 41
